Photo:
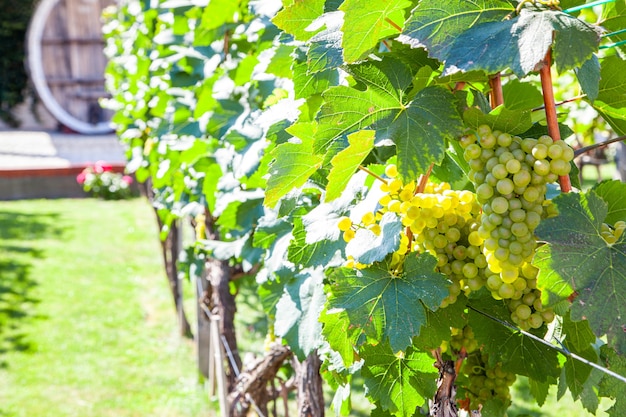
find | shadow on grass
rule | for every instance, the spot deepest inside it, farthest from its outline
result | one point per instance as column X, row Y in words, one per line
column 18, row 234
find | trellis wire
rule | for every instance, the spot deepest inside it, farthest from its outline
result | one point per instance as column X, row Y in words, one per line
column 587, row 6
column 561, row 349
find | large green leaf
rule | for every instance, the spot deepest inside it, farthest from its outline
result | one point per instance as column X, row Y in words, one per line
column 293, row 164
column 297, row 16
column 577, row 258
column 418, row 127
column 436, row 28
column 399, row 382
column 346, row 109
column 366, row 22
column 522, row 42
column 484, row 35
column 386, row 306
column 589, row 77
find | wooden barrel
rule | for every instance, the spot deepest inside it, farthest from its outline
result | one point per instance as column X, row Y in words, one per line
column 67, row 63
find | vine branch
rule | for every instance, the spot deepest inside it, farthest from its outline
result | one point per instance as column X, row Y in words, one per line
column 586, row 149
column 560, row 103
column 550, row 107
column 497, row 97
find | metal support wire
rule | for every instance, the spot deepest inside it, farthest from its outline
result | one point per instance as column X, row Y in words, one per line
column 562, row 349
column 587, row 6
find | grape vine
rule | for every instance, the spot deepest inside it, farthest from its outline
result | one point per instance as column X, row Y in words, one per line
column 380, row 173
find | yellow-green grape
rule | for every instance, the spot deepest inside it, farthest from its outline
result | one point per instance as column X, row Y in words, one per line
column 344, row 223
column 612, row 234
column 348, row 235
column 391, row 171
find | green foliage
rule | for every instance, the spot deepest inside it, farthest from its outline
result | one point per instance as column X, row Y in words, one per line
column 278, row 120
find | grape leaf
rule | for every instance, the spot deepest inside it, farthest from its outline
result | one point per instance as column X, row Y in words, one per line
column 575, row 41
column 348, row 109
column 309, row 84
column 296, row 17
column 577, row 258
column 341, row 337
column 217, row 13
column 500, row 118
column 400, row 383
column 270, row 292
column 292, row 165
column 614, row 20
column 366, row 22
column 435, row 27
column 579, row 339
column 319, row 253
column 539, row 390
column 589, row 77
column 298, row 310
column 346, row 162
column 611, row 101
column 280, row 64
column 495, row 407
column 367, row 247
column 418, row 127
column 519, row 354
column 437, row 328
column 521, row 43
column 578, row 334
column 611, row 388
column 614, row 194
column 389, row 307
column 325, row 51
column 521, row 96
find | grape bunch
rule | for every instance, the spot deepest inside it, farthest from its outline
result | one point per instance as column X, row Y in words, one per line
column 463, row 338
column 510, row 175
column 485, row 381
column 437, row 220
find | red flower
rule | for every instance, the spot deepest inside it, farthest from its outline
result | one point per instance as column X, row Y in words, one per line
column 127, row 179
column 102, row 166
column 80, row 178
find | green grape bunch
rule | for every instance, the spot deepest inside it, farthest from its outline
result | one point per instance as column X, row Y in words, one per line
column 510, row 175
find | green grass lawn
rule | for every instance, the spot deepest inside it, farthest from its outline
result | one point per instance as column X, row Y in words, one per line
column 87, row 325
